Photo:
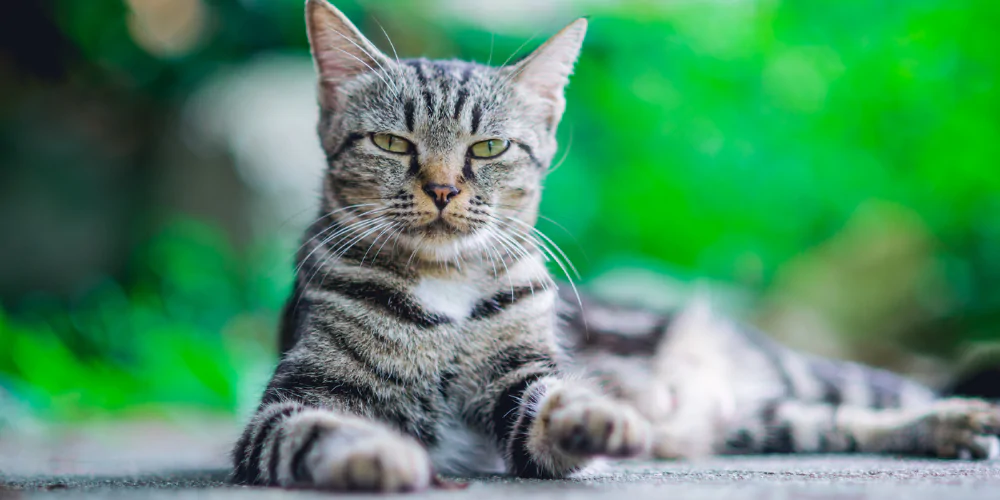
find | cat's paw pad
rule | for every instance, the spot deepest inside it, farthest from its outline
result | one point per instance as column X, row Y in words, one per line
column 964, row 428
column 587, row 425
column 376, row 462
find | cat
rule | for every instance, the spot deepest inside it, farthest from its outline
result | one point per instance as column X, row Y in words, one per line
column 424, row 333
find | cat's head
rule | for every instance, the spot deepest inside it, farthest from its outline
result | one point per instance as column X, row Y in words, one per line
column 442, row 156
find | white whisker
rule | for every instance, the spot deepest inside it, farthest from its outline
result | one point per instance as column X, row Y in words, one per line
column 493, row 39
column 565, row 154
column 370, row 56
column 388, row 227
column 334, row 235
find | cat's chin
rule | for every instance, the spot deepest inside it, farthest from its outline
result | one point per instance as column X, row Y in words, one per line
column 448, row 245
column 440, row 228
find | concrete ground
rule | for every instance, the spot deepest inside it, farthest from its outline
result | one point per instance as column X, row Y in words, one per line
column 743, row 478
column 152, row 462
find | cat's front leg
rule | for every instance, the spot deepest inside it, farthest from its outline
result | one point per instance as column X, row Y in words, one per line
column 557, row 426
column 291, row 445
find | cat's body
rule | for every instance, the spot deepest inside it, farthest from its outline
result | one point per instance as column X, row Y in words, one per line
column 423, row 331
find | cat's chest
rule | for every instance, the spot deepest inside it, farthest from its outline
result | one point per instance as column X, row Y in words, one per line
column 454, row 299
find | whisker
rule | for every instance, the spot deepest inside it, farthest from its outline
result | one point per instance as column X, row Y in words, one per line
column 345, row 247
column 376, row 73
column 493, row 37
column 372, row 57
column 486, row 248
column 327, row 240
column 519, row 248
column 394, row 54
column 565, row 154
column 338, row 238
column 526, row 42
column 327, row 254
column 416, row 248
column 321, row 217
column 505, row 268
column 544, row 248
column 388, row 227
column 393, row 236
column 549, row 241
column 330, row 214
column 554, row 223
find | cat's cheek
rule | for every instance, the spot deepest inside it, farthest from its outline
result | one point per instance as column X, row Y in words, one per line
column 498, row 177
column 517, row 194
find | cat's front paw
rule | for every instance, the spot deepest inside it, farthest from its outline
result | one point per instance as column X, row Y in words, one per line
column 964, row 428
column 584, row 424
column 379, row 461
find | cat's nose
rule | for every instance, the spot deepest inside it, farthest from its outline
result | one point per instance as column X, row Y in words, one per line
column 441, row 193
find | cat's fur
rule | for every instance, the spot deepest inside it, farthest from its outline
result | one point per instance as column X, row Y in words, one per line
column 420, row 339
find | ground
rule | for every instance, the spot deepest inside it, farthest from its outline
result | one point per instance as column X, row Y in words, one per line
column 152, row 462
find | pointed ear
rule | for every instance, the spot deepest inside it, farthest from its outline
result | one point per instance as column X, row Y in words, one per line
column 545, row 72
column 340, row 52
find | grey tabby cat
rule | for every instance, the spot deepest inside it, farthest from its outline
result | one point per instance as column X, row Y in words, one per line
column 423, row 333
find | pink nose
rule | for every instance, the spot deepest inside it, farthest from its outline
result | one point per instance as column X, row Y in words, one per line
column 441, row 193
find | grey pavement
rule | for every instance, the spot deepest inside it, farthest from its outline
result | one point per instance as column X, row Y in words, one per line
column 807, row 477
column 186, row 459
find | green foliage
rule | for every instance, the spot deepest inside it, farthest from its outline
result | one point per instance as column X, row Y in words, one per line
column 190, row 325
column 842, row 152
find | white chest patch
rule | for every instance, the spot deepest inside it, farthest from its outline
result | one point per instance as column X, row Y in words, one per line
column 454, row 299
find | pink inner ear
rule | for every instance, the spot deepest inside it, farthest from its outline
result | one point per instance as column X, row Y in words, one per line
column 546, row 77
column 335, row 45
column 336, row 57
column 333, row 66
column 547, row 71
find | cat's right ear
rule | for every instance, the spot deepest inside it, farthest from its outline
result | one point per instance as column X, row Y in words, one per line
column 340, row 52
column 545, row 72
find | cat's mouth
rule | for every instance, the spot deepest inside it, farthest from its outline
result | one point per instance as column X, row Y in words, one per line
column 441, row 230
column 444, row 229
column 440, row 227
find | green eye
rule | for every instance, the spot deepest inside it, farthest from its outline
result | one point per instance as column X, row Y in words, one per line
column 392, row 143
column 489, row 149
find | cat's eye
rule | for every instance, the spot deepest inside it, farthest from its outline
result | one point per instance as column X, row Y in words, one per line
column 393, row 143
column 489, row 149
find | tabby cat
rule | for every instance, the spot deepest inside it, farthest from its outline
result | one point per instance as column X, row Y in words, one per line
column 424, row 333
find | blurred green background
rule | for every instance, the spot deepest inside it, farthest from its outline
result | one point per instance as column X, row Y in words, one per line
column 830, row 168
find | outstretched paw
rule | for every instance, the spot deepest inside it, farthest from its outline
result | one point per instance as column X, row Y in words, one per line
column 378, row 461
column 581, row 423
column 964, row 428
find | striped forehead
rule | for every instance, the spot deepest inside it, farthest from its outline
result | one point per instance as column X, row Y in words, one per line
column 442, row 99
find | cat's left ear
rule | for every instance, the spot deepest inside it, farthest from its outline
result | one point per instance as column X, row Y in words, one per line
column 545, row 72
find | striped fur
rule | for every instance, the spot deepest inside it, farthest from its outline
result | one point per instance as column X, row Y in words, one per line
column 710, row 386
column 421, row 339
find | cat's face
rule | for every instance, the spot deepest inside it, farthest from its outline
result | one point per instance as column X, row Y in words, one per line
column 444, row 157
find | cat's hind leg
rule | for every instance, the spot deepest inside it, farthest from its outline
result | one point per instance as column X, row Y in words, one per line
column 948, row 428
